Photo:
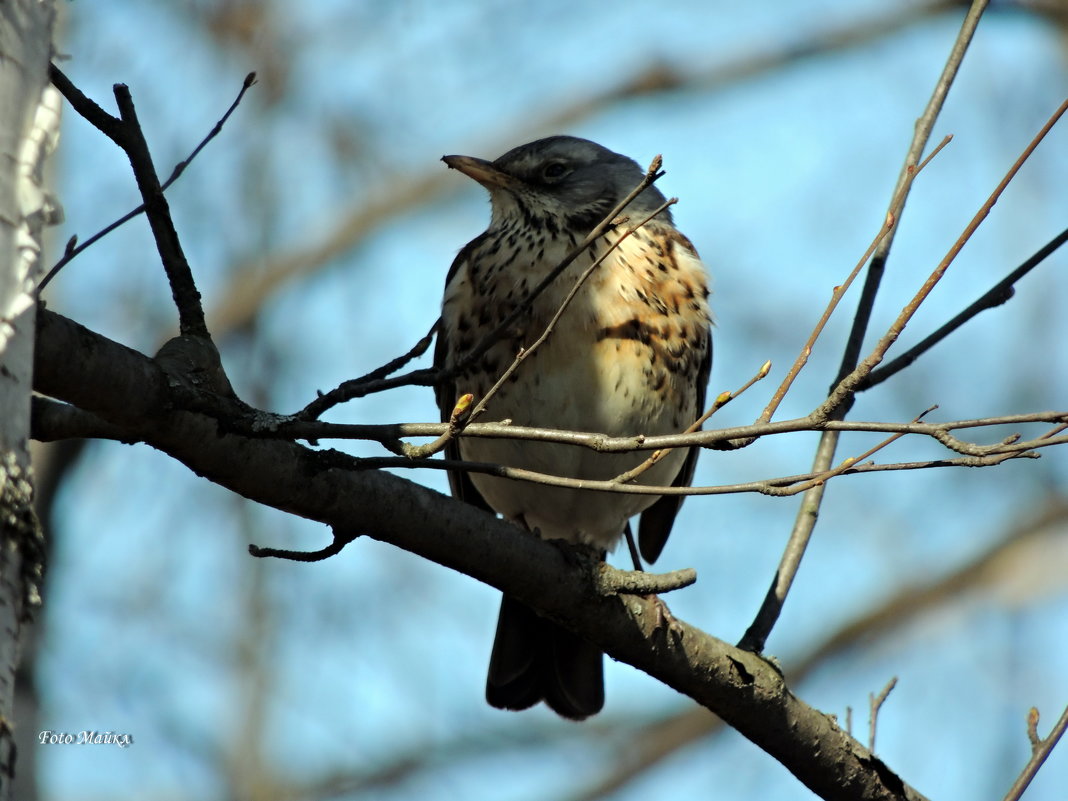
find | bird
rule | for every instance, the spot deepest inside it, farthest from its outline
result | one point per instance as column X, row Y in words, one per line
column 630, row 354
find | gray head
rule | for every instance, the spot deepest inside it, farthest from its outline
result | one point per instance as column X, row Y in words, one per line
column 562, row 181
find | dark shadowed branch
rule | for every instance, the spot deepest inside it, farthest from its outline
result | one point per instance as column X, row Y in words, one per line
column 998, row 294
column 125, row 388
column 74, row 248
column 125, row 132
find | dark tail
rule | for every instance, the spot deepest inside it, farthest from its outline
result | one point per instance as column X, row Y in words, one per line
column 535, row 660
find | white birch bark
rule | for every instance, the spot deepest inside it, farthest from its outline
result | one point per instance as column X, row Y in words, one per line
column 29, row 124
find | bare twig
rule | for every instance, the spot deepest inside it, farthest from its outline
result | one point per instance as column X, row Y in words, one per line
column 376, row 377
column 847, row 385
column 1040, row 751
column 460, row 412
column 836, row 296
column 602, row 443
column 805, row 522
column 127, row 134
column 73, row 248
column 333, row 549
column 53, row 424
column 854, row 460
column 779, row 487
column 840, row 290
column 377, row 380
column 721, row 400
column 875, row 703
column 1001, row 292
column 611, row 581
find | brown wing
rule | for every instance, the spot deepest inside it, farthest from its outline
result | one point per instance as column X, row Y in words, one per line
column 655, row 523
column 445, row 392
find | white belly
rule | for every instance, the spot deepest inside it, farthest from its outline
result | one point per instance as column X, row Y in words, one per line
column 603, row 390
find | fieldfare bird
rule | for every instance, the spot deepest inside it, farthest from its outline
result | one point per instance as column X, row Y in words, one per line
column 630, row 355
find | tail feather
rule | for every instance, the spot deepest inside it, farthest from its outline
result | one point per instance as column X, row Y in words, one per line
column 535, row 660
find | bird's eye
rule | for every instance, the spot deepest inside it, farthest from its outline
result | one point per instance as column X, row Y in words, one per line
column 554, row 171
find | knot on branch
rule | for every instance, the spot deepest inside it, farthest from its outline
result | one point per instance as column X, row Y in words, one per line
column 192, row 363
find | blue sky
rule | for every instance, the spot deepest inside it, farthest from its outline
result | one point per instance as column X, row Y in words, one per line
column 160, row 625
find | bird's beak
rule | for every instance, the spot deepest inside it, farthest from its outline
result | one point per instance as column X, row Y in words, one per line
column 482, row 171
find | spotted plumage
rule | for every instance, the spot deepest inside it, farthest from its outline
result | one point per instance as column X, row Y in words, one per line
column 630, row 355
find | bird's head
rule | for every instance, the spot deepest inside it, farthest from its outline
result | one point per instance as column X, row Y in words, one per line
column 562, row 181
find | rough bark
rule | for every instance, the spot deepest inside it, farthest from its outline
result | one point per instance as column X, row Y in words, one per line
column 118, row 393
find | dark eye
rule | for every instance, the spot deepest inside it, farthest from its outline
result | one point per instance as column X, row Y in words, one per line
column 554, row 171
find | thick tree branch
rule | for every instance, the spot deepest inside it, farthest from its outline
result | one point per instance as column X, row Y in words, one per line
column 78, row 366
column 648, row 745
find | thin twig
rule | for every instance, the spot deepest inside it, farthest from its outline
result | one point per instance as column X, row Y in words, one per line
column 1040, row 751
column 126, row 132
column 602, row 443
column 853, row 460
column 774, row 487
column 460, row 412
column 184, row 291
column 875, row 703
column 721, row 400
column 779, row 487
column 374, row 381
column 73, row 249
column 840, row 290
column 836, row 296
column 847, row 386
column 612, row 581
column 1001, row 292
column 333, row 549
column 377, row 380
column 805, row 522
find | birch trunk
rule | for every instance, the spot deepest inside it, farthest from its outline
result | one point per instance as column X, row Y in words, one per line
column 29, row 120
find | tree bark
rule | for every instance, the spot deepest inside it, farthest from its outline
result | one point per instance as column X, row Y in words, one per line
column 113, row 391
column 28, row 129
